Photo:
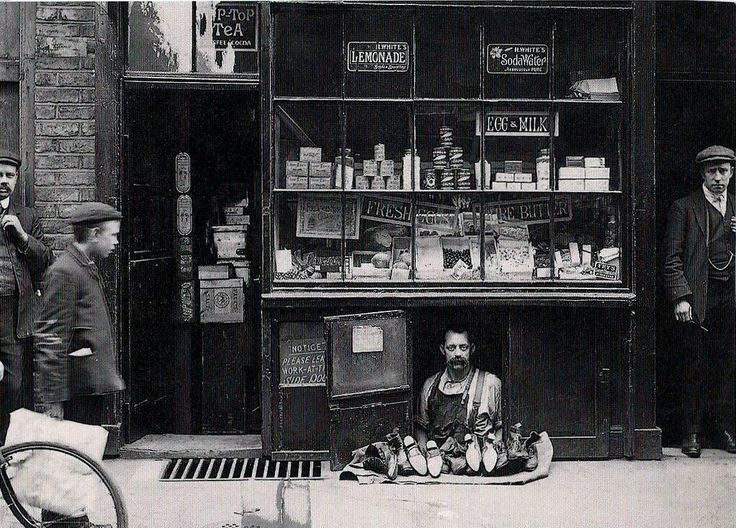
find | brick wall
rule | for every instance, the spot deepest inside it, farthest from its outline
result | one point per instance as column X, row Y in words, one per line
column 64, row 114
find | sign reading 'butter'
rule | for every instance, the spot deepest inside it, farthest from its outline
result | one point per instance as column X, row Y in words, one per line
column 381, row 57
column 525, row 59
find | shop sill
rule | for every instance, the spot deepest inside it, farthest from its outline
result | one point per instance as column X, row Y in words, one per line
column 426, row 296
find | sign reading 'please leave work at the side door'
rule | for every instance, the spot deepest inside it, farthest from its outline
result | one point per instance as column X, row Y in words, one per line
column 303, row 362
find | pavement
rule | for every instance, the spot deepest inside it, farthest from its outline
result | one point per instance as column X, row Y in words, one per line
column 673, row 492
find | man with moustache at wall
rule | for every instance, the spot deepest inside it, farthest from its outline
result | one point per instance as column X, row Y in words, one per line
column 23, row 260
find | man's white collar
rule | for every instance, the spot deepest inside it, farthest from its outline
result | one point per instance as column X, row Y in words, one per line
column 713, row 197
column 5, row 203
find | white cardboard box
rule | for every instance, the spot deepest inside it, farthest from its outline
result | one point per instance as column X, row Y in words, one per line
column 597, row 173
column 513, row 186
column 572, row 173
column 528, row 186
column 594, row 162
column 499, row 186
column 597, row 185
column 310, row 154
column 571, row 185
column 523, row 177
column 504, row 176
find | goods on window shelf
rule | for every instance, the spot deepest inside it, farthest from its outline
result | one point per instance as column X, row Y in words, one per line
column 584, row 174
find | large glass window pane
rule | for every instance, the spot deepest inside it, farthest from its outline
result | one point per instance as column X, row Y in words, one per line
column 227, row 37
column 378, row 53
column 587, row 244
column 308, row 52
column 447, row 237
column 517, row 147
column 590, row 55
column 448, row 146
column 517, row 54
column 517, row 239
column 382, row 251
column 160, row 36
column 307, row 142
column 444, row 70
column 378, row 135
column 588, row 152
column 308, row 228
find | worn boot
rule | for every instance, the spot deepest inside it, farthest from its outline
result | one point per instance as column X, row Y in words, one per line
column 691, row 446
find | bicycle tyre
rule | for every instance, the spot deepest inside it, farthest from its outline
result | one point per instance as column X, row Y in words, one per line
column 18, row 510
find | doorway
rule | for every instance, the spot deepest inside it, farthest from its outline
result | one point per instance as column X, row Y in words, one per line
column 186, row 376
column 696, row 108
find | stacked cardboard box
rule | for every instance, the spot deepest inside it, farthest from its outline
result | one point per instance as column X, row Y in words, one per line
column 310, row 172
column 584, row 174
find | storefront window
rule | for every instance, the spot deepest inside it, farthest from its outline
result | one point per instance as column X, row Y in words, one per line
column 160, row 36
column 186, row 37
column 458, row 163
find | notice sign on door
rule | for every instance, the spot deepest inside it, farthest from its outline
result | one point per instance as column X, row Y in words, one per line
column 517, row 59
column 235, row 25
column 367, row 339
column 303, row 363
column 378, row 57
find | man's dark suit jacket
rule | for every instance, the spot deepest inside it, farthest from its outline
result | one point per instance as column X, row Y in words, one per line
column 686, row 255
column 74, row 316
column 29, row 266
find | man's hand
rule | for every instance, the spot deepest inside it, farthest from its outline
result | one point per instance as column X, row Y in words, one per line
column 683, row 311
column 11, row 225
column 733, row 224
column 2, row 371
column 55, row 410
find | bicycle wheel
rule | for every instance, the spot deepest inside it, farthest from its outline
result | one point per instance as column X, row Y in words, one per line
column 54, row 486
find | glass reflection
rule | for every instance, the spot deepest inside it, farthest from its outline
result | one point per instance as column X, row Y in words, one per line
column 160, row 36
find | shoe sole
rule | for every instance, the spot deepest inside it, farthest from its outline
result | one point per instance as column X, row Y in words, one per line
column 417, row 461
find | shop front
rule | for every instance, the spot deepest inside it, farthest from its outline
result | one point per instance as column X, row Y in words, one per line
column 489, row 166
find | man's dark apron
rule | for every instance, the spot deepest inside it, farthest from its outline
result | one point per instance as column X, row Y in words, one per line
column 447, row 413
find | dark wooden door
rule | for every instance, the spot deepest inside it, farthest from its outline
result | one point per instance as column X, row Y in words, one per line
column 149, row 314
column 369, row 380
column 558, row 376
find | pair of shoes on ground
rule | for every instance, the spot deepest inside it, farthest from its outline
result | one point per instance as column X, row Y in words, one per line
column 384, row 462
column 524, row 450
column 691, row 444
column 431, row 464
column 480, row 455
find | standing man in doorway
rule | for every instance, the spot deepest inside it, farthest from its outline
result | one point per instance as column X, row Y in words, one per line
column 699, row 282
column 23, row 260
column 75, row 354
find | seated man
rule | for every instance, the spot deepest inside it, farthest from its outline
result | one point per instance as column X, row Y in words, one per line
column 460, row 400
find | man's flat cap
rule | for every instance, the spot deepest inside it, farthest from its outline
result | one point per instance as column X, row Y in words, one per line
column 94, row 213
column 10, row 157
column 715, row 153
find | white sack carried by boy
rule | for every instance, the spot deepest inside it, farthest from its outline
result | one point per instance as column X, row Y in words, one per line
column 51, row 480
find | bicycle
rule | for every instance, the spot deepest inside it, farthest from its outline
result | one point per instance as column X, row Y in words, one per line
column 101, row 503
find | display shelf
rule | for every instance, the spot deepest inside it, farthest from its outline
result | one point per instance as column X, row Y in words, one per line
column 587, row 101
column 307, row 191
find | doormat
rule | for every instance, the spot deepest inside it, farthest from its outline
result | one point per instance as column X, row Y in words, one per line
column 203, row 469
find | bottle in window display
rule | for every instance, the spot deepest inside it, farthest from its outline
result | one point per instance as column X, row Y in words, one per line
column 349, row 168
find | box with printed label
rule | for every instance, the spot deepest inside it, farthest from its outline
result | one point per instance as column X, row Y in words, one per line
column 597, row 173
column 221, row 301
column 379, row 152
column 522, row 177
column 361, row 182
column 571, row 173
column 297, row 168
column 575, row 161
column 571, row 185
column 320, row 182
column 513, row 166
column 320, row 168
column 528, row 186
column 231, row 241
column 221, row 271
column 297, row 182
column 235, row 210
column 504, row 177
column 378, row 183
column 591, row 162
column 499, row 186
column 237, row 219
column 597, row 185
column 310, row 154
column 513, row 186
column 386, row 168
column 370, row 168
column 393, row 183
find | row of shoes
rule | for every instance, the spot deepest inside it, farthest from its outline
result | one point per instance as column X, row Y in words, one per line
column 482, row 455
column 488, row 455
